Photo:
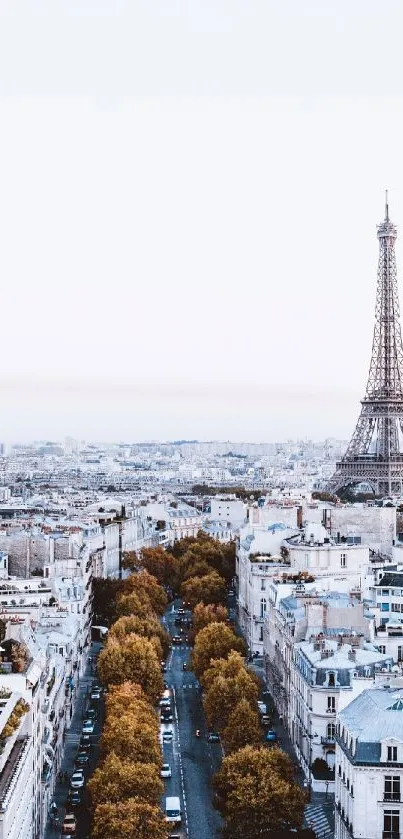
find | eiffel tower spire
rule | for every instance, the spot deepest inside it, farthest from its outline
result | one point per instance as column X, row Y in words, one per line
column 375, row 452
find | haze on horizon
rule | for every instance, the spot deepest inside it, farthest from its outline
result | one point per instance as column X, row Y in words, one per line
column 188, row 209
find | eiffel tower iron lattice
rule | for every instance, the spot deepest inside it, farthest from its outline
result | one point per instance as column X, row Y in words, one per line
column 375, row 452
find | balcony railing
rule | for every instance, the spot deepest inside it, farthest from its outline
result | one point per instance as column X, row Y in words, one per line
column 391, row 796
column 328, row 741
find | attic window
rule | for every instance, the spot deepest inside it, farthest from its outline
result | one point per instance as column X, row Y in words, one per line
column 397, row 706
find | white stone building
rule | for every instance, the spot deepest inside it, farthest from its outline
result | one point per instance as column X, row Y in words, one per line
column 369, row 766
column 16, row 775
column 227, row 511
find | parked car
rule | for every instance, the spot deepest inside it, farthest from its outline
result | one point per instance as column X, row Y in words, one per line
column 96, row 694
column 265, row 720
column 91, row 714
column 166, row 715
column 85, row 743
column 77, row 779
column 81, row 759
column 262, row 707
column 166, row 771
column 74, row 798
column 213, row 737
column 69, row 824
column 88, row 727
column 271, row 736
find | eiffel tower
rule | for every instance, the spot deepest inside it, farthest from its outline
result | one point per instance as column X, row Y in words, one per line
column 375, row 452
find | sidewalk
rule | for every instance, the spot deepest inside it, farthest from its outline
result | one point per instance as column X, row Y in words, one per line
column 72, row 739
column 319, row 813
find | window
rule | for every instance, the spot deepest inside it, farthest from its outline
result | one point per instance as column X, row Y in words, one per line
column 263, row 585
column 384, row 607
column 261, row 634
column 382, row 648
column 392, row 754
column 400, row 653
column 263, row 605
column 331, row 683
column 395, row 607
column 343, row 560
column 330, row 730
column 392, row 788
column 385, row 592
column 391, row 824
column 331, row 704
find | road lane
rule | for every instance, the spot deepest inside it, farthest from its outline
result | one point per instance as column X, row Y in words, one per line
column 194, row 759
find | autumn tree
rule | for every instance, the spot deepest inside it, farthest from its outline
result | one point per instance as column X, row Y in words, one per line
column 131, row 604
column 243, row 728
column 210, row 613
column 146, row 627
column 144, row 585
column 224, row 693
column 128, row 697
column 227, row 667
column 116, row 780
column 131, row 739
column 207, row 589
column 161, row 564
column 257, row 793
column 133, row 660
column 214, row 641
column 126, row 819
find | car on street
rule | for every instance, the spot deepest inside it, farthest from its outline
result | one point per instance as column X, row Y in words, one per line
column 184, row 666
column 77, row 779
column 167, row 733
column 95, row 694
column 81, row 759
column 85, row 743
column 213, row 737
column 262, row 707
column 166, row 715
column 271, row 736
column 166, row 771
column 176, row 639
column 74, row 798
column 180, row 611
column 91, row 714
column 88, row 727
column 69, row 825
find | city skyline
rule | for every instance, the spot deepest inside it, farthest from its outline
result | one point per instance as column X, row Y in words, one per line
column 189, row 213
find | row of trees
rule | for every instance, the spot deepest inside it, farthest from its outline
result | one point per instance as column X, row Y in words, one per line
column 126, row 788
column 255, row 788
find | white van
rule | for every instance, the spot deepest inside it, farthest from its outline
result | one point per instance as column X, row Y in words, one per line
column 173, row 810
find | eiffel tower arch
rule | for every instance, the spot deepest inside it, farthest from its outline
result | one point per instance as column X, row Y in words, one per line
column 375, row 451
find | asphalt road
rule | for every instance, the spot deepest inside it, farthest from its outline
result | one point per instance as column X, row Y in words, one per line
column 193, row 760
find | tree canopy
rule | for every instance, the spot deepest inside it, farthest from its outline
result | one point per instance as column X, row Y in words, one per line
column 146, row 627
column 258, row 794
column 128, row 819
column 214, row 641
column 209, row 588
column 131, row 739
column 116, row 780
column 144, row 585
column 135, row 660
column 243, row 728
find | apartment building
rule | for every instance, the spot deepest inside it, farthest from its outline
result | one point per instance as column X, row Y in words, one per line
column 16, row 762
column 369, row 766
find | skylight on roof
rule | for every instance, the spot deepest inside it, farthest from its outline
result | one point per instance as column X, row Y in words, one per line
column 397, row 706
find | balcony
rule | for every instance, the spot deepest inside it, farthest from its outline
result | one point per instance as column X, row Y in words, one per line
column 327, row 741
column 391, row 796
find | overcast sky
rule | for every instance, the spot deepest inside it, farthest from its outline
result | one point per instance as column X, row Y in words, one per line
column 189, row 195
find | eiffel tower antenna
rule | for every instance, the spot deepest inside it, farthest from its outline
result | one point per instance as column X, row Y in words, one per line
column 375, row 451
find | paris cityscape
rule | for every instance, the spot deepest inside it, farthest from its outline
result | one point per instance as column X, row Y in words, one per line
column 201, row 435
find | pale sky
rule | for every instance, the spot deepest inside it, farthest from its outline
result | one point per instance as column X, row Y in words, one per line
column 189, row 195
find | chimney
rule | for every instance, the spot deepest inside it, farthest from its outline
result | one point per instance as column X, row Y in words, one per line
column 299, row 517
column 352, row 655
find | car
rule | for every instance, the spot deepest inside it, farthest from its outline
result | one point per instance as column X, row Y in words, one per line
column 85, row 743
column 81, row 759
column 91, row 714
column 69, row 824
column 166, row 771
column 166, row 715
column 88, row 727
column 77, row 779
column 271, row 736
column 178, row 621
column 163, row 667
column 167, row 734
column 176, row 639
column 184, row 666
column 262, row 707
column 180, row 611
column 96, row 694
column 213, row 737
column 265, row 720
column 74, row 798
